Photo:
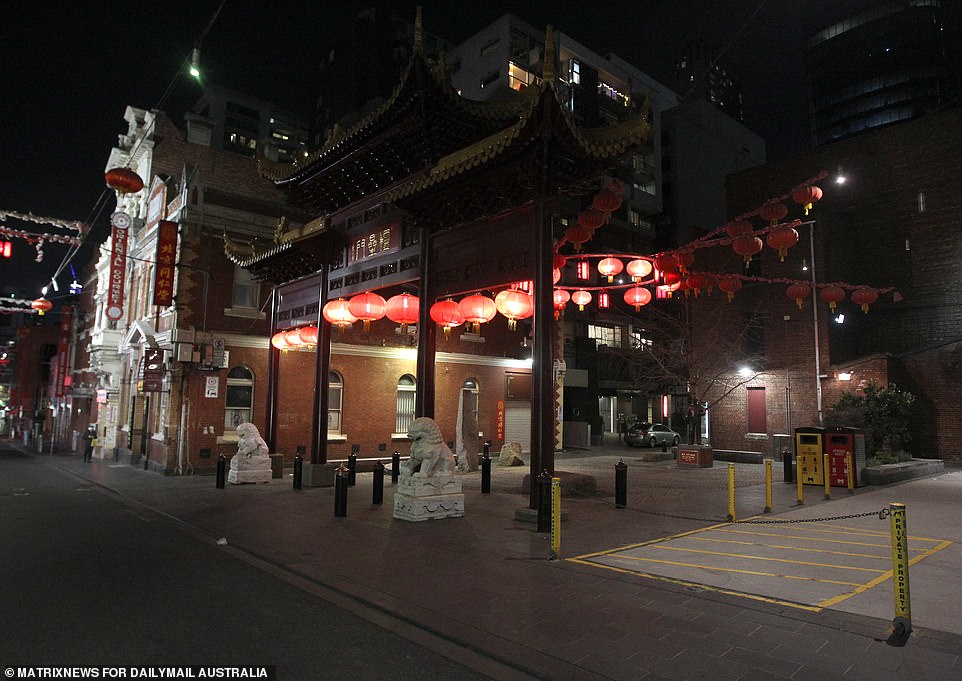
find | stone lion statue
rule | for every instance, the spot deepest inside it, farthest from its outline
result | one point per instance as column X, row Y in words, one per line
column 429, row 454
column 250, row 444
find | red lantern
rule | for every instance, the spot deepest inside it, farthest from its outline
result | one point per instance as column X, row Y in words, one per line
column 747, row 246
column 581, row 298
column 555, row 275
column 514, row 305
column 781, row 239
column 447, row 314
column 558, row 261
column 773, row 212
column 685, row 260
column 609, row 267
column 806, row 195
column 864, row 296
column 561, row 298
column 672, row 279
column 41, row 305
column 607, row 202
column 591, row 218
column 738, row 228
column 638, row 269
column 638, row 296
column 697, row 282
column 402, row 309
column 832, row 295
column 338, row 313
column 293, row 339
column 798, row 293
column 666, row 261
column 124, row 180
column 477, row 310
column 730, row 285
column 308, row 335
column 279, row 340
column 578, row 234
column 367, row 307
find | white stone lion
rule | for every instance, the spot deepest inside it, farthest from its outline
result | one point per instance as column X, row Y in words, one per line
column 429, row 455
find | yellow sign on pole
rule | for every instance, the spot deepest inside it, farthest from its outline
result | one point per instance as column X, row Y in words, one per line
column 768, row 486
column 555, row 518
column 731, row 493
column 900, row 567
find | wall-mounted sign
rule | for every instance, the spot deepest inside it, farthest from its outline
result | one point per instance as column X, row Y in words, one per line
column 164, row 265
column 500, row 420
column 120, row 223
column 63, row 372
column 372, row 243
column 153, row 370
column 210, row 389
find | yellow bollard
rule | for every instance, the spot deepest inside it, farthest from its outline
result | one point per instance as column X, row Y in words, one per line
column 768, row 485
column 555, row 518
column 826, row 476
column 731, row 493
column 798, row 482
column 849, row 473
column 900, row 569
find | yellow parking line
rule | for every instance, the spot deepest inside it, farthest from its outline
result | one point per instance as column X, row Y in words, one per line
column 886, row 556
column 736, row 570
column 818, row 539
column 767, row 558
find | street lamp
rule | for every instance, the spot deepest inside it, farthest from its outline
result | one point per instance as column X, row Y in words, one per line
column 818, row 364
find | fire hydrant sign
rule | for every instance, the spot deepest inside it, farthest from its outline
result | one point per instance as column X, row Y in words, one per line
column 211, row 388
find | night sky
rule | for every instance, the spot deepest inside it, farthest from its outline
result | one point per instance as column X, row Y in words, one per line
column 70, row 69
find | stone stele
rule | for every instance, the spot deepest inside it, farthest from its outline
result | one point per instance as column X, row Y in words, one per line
column 252, row 462
column 427, row 486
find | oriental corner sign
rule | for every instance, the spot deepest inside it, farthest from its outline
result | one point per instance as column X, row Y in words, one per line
column 120, row 223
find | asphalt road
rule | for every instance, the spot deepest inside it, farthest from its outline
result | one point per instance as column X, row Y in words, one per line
column 87, row 579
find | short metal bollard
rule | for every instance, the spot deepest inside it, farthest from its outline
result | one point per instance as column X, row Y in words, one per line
column 789, row 469
column 221, row 470
column 378, row 495
column 352, row 469
column 486, row 469
column 395, row 464
column 298, row 470
column 544, row 502
column 340, row 492
column 621, row 484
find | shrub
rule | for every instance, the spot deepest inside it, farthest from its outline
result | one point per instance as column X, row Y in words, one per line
column 882, row 412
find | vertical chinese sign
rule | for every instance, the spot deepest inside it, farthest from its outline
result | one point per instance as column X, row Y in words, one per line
column 164, row 267
column 120, row 223
column 63, row 377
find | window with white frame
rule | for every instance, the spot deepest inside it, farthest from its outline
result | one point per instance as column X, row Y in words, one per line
column 240, row 397
column 606, row 335
column 246, row 292
column 335, row 395
column 406, row 391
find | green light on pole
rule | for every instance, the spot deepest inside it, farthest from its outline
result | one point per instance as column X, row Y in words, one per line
column 195, row 63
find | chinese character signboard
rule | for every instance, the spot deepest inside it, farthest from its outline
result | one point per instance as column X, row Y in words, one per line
column 164, row 267
column 385, row 239
column 63, row 346
column 500, row 421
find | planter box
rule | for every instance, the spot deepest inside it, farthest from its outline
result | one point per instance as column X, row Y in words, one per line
column 694, row 456
column 896, row 472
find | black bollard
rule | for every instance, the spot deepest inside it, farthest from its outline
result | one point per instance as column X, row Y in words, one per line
column 340, row 492
column 352, row 469
column 544, row 502
column 486, row 469
column 395, row 463
column 789, row 470
column 621, row 484
column 298, row 470
column 378, row 496
column 221, row 470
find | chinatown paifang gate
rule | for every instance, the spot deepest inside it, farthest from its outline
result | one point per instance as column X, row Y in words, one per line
column 437, row 196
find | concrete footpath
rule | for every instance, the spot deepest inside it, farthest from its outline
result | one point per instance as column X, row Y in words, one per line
column 633, row 597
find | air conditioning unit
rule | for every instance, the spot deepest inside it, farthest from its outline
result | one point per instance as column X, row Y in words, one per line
column 184, row 352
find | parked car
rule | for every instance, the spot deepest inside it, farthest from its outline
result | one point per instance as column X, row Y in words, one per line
column 651, row 435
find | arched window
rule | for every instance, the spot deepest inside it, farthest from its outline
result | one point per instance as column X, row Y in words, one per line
column 335, row 395
column 240, row 397
column 472, row 385
column 406, row 390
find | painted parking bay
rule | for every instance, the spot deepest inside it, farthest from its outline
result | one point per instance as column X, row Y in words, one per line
column 809, row 565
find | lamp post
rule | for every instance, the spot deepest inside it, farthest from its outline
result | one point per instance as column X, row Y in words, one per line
column 818, row 365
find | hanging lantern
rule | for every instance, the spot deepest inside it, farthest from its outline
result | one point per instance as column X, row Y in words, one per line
column 293, row 339
column 124, row 180
column 685, row 260
column 338, row 313
column 864, row 296
column 368, row 307
column 402, row 309
column 747, row 246
column 560, row 298
column 279, row 340
column 607, row 202
column 637, row 296
column 798, row 293
column 591, row 218
column 806, row 195
column 666, row 261
column 609, row 267
column 308, row 335
column 41, row 305
column 558, row 261
column 638, row 269
column 781, row 239
column 514, row 305
column 672, row 279
column 604, row 301
column 832, row 295
column 477, row 309
column 731, row 286
column 581, row 298
column 738, row 228
column 697, row 282
column 447, row 314
column 578, row 234
column 773, row 212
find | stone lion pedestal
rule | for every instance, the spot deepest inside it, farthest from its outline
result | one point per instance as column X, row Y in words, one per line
column 427, row 487
column 251, row 463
